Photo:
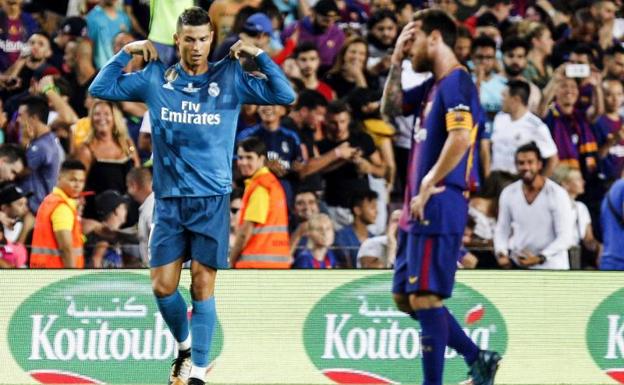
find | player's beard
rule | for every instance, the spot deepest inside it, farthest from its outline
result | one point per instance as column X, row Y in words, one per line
column 421, row 63
column 528, row 177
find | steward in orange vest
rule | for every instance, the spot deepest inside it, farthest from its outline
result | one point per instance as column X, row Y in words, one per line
column 57, row 238
column 262, row 236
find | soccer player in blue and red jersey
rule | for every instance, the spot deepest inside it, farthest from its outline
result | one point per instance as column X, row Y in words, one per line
column 194, row 107
column 435, row 210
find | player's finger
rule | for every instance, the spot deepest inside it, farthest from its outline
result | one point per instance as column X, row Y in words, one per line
column 153, row 51
column 145, row 53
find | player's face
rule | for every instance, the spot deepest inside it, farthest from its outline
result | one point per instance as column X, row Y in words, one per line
column 613, row 95
column 308, row 63
column 248, row 162
column 462, row 48
column 355, row 55
column 528, row 166
column 339, row 124
column 421, row 61
column 306, row 205
column 17, row 209
column 39, row 47
column 575, row 184
column 194, row 44
column 270, row 114
column 72, row 182
column 368, row 211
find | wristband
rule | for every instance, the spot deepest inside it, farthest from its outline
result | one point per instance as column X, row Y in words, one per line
column 49, row 87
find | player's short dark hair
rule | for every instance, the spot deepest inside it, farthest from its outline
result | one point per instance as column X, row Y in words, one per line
column 487, row 20
column 438, row 20
column 310, row 99
column 483, row 41
column 400, row 5
column 253, row 144
column 521, row 89
column 361, row 196
column 529, row 147
column 193, row 16
column 338, row 107
column 493, row 3
column 36, row 106
column 380, row 15
column 72, row 165
column 12, row 153
column 305, row 46
column 140, row 175
column 513, row 42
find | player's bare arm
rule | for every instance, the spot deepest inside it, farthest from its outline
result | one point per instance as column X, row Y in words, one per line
column 392, row 98
column 143, row 48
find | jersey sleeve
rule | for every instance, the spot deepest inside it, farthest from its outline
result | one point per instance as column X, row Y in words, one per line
column 457, row 96
column 273, row 88
column 112, row 84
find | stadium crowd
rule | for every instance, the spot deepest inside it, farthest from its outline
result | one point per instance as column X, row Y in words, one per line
column 550, row 76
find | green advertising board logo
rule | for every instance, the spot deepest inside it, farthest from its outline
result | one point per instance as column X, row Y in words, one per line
column 95, row 328
column 605, row 335
column 354, row 334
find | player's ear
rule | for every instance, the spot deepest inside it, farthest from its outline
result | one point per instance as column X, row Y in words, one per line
column 176, row 38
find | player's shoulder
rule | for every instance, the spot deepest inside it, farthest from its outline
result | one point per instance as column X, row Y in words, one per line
column 458, row 84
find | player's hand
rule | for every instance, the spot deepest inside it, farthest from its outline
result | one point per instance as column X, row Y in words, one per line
column 243, row 47
column 143, row 48
column 276, row 167
column 504, row 261
column 403, row 43
column 418, row 203
column 526, row 259
column 345, row 151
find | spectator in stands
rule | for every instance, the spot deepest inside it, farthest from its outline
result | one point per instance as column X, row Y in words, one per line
column 379, row 252
column 582, row 232
column 12, row 162
column 583, row 30
column 236, row 201
column 224, row 15
column 14, row 207
column 81, row 74
column 283, row 145
column 515, row 51
column 604, row 11
column 308, row 61
column 112, row 210
column 538, row 211
column 57, row 93
column 16, row 26
column 404, row 12
column 306, row 205
column 614, row 63
column 103, row 23
column 262, row 236
column 108, row 154
column 348, row 173
column 463, row 45
column 612, row 221
column 321, row 29
column 383, row 31
column 43, row 151
column 513, row 127
column 609, row 130
column 317, row 252
column 349, row 238
column 498, row 9
column 489, row 82
column 538, row 69
column 257, row 30
column 139, row 183
column 163, row 16
column 70, row 30
column 58, row 238
column 349, row 70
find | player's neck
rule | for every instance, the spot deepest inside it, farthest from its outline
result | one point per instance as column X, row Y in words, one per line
column 445, row 65
column 613, row 115
column 518, row 113
column 194, row 71
column 360, row 228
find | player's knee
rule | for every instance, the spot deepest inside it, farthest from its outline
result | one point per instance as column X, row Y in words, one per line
column 161, row 288
column 202, row 284
column 402, row 303
column 424, row 301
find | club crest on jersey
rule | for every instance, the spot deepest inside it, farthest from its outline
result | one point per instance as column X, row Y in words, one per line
column 189, row 88
column 213, row 89
column 170, row 76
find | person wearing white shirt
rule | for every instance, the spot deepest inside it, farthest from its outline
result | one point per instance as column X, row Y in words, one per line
column 139, row 183
column 534, row 226
column 515, row 126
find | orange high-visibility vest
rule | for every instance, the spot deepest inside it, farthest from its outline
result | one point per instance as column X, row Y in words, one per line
column 268, row 247
column 45, row 252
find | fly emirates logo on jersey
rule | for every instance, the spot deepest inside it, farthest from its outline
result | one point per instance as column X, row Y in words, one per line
column 189, row 113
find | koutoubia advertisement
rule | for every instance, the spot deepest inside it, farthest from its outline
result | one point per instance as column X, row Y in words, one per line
column 309, row 327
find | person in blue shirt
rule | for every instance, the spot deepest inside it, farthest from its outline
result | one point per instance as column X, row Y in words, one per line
column 194, row 107
column 350, row 238
column 435, row 209
column 612, row 221
column 104, row 22
column 284, row 147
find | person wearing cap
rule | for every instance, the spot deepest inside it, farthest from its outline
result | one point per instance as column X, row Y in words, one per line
column 257, row 30
column 57, row 239
column 71, row 29
column 14, row 206
column 321, row 29
column 100, row 252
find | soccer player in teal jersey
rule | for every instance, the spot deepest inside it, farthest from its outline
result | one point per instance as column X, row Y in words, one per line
column 435, row 209
column 194, row 107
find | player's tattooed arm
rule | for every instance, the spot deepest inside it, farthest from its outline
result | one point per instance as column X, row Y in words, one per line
column 392, row 98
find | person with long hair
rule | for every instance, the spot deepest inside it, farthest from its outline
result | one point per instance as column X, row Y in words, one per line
column 108, row 154
column 349, row 70
column 538, row 70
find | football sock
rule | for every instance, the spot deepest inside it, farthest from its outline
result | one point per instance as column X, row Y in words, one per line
column 185, row 345
column 198, row 372
column 202, row 328
column 433, row 339
column 458, row 340
column 173, row 310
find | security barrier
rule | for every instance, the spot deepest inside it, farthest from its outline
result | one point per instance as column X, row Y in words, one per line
column 309, row 327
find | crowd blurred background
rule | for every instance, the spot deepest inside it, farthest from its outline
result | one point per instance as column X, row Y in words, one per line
column 550, row 74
